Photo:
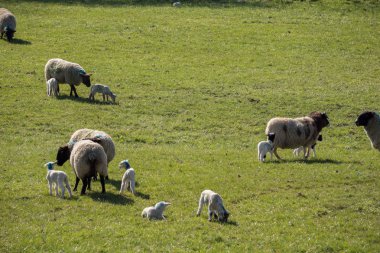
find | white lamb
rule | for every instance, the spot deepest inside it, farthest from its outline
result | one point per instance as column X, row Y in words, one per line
column 297, row 151
column 104, row 89
column 264, row 147
column 58, row 179
column 128, row 180
column 52, row 87
column 215, row 206
column 155, row 212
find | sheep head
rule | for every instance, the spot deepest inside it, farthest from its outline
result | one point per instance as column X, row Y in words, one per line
column 86, row 79
column 321, row 119
column 10, row 33
column 364, row 118
column 63, row 155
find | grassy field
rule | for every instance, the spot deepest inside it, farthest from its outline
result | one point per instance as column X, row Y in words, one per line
column 195, row 87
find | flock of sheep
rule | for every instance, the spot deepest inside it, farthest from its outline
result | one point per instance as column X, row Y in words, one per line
column 90, row 151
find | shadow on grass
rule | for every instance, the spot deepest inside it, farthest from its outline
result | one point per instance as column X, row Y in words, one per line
column 110, row 198
column 84, row 100
column 230, row 223
column 313, row 161
column 117, row 185
column 20, row 42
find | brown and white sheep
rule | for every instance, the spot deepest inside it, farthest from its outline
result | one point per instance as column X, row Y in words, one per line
column 292, row 133
column 371, row 123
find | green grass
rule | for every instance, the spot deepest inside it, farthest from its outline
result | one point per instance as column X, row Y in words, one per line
column 195, row 87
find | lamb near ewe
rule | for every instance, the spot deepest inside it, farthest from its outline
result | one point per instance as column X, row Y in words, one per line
column 87, row 159
column 67, row 72
column 292, row 133
column 298, row 150
column 57, row 179
column 52, row 87
column 371, row 123
column 104, row 89
column 265, row 146
column 155, row 212
column 215, row 206
column 7, row 24
column 128, row 180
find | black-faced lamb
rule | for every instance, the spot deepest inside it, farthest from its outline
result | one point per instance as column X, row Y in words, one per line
column 215, row 206
column 265, row 146
column 155, row 212
column 104, row 89
column 7, row 24
column 87, row 159
column 292, row 133
column 52, row 87
column 298, row 150
column 128, row 180
column 67, row 72
column 371, row 123
column 57, row 179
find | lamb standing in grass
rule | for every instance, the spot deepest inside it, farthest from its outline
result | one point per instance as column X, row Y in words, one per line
column 128, row 180
column 104, row 89
column 66, row 72
column 155, row 212
column 266, row 146
column 7, row 24
column 298, row 150
column 215, row 206
column 57, row 179
column 52, row 87
column 371, row 123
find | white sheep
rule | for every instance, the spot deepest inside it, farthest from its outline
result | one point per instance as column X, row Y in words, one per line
column 52, row 87
column 104, row 89
column 128, row 180
column 67, row 72
column 87, row 159
column 215, row 206
column 371, row 123
column 7, row 24
column 265, row 146
column 57, row 179
column 298, row 150
column 155, row 212
column 177, row 4
column 293, row 133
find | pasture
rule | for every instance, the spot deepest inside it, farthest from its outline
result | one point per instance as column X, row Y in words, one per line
column 195, row 87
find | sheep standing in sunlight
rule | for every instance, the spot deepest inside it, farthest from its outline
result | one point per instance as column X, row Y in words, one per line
column 128, row 180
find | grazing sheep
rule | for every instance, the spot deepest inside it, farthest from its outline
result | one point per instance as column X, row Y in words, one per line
column 155, row 212
column 177, row 4
column 104, row 89
column 215, row 206
column 292, row 133
column 87, row 159
column 100, row 137
column 371, row 123
column 128, row 180
column 67, row 72
column 57, row 179
column 265, row 146
column 298, row 150
column 52, row 87
column 7, row 24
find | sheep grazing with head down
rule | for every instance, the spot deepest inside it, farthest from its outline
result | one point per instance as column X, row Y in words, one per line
column 57, row 179
column 7, row 24
column 298, row 150
column 155, row 212
column 292, row 133
column 52, row 87
column 87, row 159
column 215, row 206
column 265, row 146
column 104, row 89
column 128, row 180
column 67, row 72
column 371, row 123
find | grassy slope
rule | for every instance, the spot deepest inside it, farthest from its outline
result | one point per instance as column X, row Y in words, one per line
column 195, row 86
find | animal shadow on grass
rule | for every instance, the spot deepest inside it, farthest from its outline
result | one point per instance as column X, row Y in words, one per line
column 117, row 185
column 110, row 198
column 20, row 42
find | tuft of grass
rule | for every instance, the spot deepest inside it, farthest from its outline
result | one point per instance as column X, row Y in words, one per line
column 195, row 87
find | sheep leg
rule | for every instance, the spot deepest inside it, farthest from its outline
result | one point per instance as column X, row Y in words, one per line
column 56, row 189
column 73, row 89
column 62, row 189
column 210, row 215
column 132, row 186
column 275, row 153
column 89, row 184
column 103, row 184
column 122, row 187
column 103, row 97
column 84, row 186
column 200, row 206
column 76, row 184
column 50, row 189
column 307, row 152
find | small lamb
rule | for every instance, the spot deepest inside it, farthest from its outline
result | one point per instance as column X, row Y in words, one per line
column 104, row 89
column 298, row 150
column 52, row 87
column 128, row 180
column 155, row 212
column 265, row 146
column 58, row 178
column 215, row 206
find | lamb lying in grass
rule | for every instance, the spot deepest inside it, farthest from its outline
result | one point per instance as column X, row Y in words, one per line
column 128, row 180
column 215, row 206
column 57, row 179
column 155, row 212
